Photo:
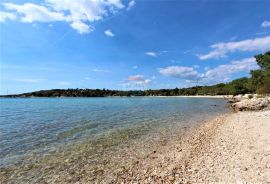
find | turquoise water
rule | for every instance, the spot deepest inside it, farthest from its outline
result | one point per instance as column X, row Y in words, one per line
column 41, row 126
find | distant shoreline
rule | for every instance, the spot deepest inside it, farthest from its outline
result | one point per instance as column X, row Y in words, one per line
column 183, row 96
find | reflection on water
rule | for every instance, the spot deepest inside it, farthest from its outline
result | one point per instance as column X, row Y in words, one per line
column 49, row 131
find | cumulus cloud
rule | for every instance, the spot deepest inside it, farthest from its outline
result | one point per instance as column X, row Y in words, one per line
column 182, row 72
column 131, row 4
column 85, row 10
column 152, row 54
column 222, row 49
column 30, row 12
column 5, row 16
column 266, row 24
column 220, row 73
column 137, row 80
column 81, row 27
column 79, row 14
column 109, row 33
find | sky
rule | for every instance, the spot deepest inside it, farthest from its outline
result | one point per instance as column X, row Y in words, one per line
column 132, row 44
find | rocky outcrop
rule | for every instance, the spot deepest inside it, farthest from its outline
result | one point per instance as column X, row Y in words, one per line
column 245, row 104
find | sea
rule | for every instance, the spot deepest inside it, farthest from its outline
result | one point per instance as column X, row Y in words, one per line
column 36, row 129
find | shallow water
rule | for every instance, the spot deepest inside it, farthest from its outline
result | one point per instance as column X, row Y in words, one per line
column 33, row 128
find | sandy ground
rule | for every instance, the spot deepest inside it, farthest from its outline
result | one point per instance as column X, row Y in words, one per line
column 234, row 148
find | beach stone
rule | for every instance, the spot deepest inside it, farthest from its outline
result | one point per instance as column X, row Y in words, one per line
column 251, row 104
column 171, row 178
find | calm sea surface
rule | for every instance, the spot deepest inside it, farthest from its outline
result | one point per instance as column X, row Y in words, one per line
column 41, row 126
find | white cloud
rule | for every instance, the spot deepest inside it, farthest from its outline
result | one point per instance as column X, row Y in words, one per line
column 85, row 10
column 266, row 24
column 87, row 78
column 79, row 14
column 137, row 80
column 220, row 73
column 64, row 83
column 116, row 3
column 81, row 27
column 101, row 70
column 109, row 33
column 182, row 72
column 135, row 67
column 131, row 4
column 153, row 54
column 222, row 49
column 30, row 12
column 5, row 16
column 30, row 80
column 143, row 82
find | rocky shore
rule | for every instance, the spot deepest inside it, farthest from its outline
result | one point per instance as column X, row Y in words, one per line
column 234, row 148
column 250, row 103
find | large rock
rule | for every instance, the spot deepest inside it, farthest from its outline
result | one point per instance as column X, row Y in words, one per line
column 252, row 104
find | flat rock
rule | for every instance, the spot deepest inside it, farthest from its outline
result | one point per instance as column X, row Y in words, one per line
column 251, row 104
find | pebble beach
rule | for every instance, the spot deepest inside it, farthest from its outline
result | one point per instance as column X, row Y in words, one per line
column 231, row 148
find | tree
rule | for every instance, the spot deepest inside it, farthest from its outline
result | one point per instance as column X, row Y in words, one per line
column 263, row 60
column 260, row 79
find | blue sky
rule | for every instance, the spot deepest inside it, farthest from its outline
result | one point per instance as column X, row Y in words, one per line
column 128, row 44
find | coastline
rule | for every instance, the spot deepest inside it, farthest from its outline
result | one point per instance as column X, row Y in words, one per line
column 233, row 147
column 143, row 163
column 197, row 96
column 183, row 96
column 99, row 158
